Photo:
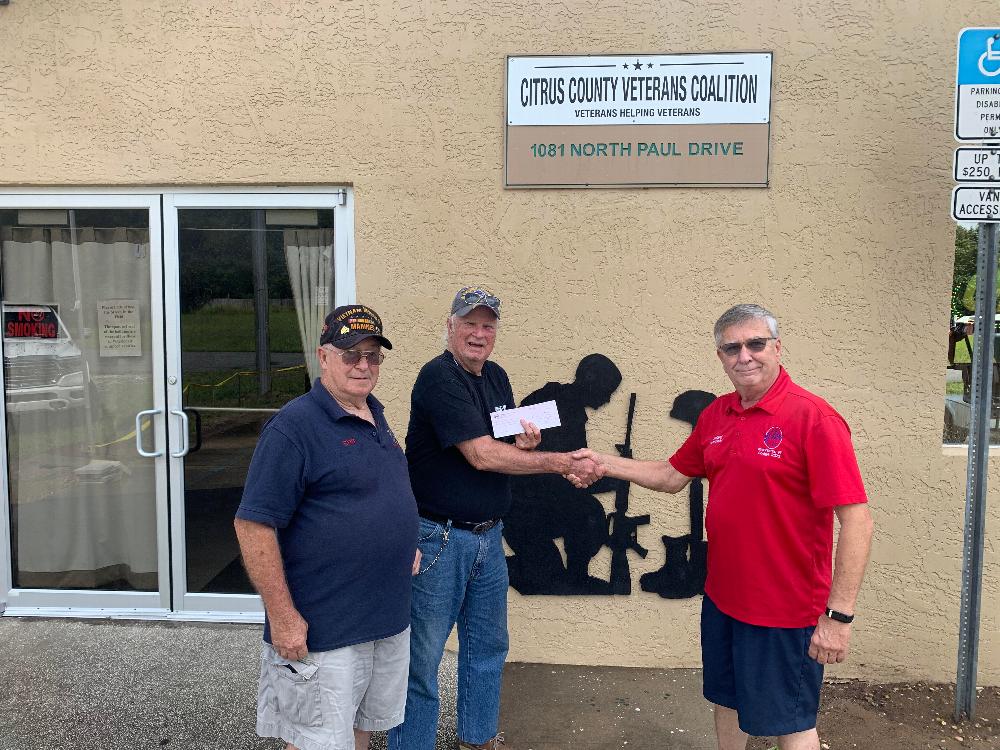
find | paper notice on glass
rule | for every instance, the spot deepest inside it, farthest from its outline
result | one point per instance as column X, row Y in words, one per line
column 119, row 327
column 508, row 421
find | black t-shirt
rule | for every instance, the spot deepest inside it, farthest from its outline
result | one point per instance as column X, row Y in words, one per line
column 449, row 406
column 571, row 435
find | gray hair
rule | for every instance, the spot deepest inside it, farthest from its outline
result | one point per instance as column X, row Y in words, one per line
column 742, row 314
column 447, row 326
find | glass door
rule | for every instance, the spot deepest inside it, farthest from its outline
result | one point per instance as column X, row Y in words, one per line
column 84, row 508
column 249, row 282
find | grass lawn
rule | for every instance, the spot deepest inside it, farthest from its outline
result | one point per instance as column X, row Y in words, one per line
column 222, row 330
column 962, row 356
column 961, row 351
column 238, row 389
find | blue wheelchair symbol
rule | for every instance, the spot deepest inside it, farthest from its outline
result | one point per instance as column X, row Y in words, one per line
column 992, row 55
column 978, row 57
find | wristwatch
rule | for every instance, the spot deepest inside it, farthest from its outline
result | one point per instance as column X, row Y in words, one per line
column 839, row 616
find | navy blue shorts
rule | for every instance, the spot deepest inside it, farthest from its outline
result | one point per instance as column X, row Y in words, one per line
column 765, row 674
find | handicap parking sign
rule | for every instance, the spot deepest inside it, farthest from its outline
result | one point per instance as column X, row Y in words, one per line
column 977, row 100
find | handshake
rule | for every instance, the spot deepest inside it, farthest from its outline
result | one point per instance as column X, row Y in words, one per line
column 585, row 467
column 582, row 468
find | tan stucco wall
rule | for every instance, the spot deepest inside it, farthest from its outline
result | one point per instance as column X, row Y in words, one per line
column 851, row 245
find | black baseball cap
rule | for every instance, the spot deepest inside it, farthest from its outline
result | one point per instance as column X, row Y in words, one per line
column 349, row 324
column 469, row 298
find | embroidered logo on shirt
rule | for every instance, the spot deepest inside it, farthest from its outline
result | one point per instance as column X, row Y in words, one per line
column 716, row 440
column 349, row 441
column 772, row 439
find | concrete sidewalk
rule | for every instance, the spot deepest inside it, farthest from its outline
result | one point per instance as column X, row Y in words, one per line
column 113, row 685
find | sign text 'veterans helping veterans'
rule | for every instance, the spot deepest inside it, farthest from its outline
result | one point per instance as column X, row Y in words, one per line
column 638, row 120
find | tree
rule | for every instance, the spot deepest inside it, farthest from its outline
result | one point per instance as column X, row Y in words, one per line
column 964, row 278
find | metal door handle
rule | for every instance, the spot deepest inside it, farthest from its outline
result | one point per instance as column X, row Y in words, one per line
column 138, row 432
column 197, row 428
column 184, row 433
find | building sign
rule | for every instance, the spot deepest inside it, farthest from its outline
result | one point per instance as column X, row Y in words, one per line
column 118, row 322
column 638, row 120
column 977, row 99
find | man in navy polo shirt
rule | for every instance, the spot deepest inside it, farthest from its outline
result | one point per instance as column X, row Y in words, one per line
column 460, row 478
column 328, row 527
column 780, row 465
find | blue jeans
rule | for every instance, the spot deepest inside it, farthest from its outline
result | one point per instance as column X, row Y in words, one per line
column 462, row 579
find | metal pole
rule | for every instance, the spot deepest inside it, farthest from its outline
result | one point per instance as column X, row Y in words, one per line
column 975, row 491
column 78, row 308
column 258, row 245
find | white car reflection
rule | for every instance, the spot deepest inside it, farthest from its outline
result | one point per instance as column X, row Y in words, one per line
column 43, row 369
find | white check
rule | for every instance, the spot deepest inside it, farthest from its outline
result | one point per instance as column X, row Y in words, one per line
column 508, row 421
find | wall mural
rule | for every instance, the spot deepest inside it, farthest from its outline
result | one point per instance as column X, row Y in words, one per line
column 547, row 507
column 683, row 572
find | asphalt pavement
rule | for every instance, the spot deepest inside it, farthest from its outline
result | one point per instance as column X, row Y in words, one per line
column 132, row 685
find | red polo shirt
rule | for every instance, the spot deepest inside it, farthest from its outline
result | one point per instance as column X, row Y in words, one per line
column 775, row 472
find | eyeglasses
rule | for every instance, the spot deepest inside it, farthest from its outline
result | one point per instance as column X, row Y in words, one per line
column 756, row 346
column 352, row 356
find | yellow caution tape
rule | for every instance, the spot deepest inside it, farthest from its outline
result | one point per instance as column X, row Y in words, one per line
column 146, row 424
column 237, row 374
column 123, row 438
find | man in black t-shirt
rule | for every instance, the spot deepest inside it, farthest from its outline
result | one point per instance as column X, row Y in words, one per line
column 459, row 474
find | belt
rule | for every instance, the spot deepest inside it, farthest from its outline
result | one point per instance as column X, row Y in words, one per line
column 476, row 528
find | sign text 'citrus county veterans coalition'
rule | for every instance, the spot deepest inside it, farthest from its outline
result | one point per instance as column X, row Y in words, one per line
column 638, row 120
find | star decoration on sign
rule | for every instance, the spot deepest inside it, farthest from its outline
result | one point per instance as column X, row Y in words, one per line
column 625, row 66
column 638, row 65
column 649, row 65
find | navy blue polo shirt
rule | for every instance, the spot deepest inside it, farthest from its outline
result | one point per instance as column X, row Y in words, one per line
column 449, row 406
column 337, row 491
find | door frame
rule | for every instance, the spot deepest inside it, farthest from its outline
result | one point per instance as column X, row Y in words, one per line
column 171, row 602
column 230, row 607
column 85, row 603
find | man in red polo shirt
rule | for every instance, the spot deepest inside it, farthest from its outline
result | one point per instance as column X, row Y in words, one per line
column 780, row 465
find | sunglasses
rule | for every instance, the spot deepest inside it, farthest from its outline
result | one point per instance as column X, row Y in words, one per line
column 351, row 357
column 476, row 296
column 756, row 346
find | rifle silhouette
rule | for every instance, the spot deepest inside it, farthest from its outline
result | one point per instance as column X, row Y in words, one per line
column 623, row 528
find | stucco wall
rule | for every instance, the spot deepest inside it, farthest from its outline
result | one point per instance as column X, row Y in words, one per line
column 851, row 245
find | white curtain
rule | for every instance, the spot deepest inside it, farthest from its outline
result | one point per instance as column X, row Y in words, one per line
column 41, row 267
column 309, row 254
column 82, row 501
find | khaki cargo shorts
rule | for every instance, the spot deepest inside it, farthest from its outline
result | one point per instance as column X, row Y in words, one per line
column 316, row 703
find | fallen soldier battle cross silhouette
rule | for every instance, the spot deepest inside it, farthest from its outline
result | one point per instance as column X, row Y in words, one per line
column 547, row 507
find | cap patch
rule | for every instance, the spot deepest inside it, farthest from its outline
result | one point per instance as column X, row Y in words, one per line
column 349, row 324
